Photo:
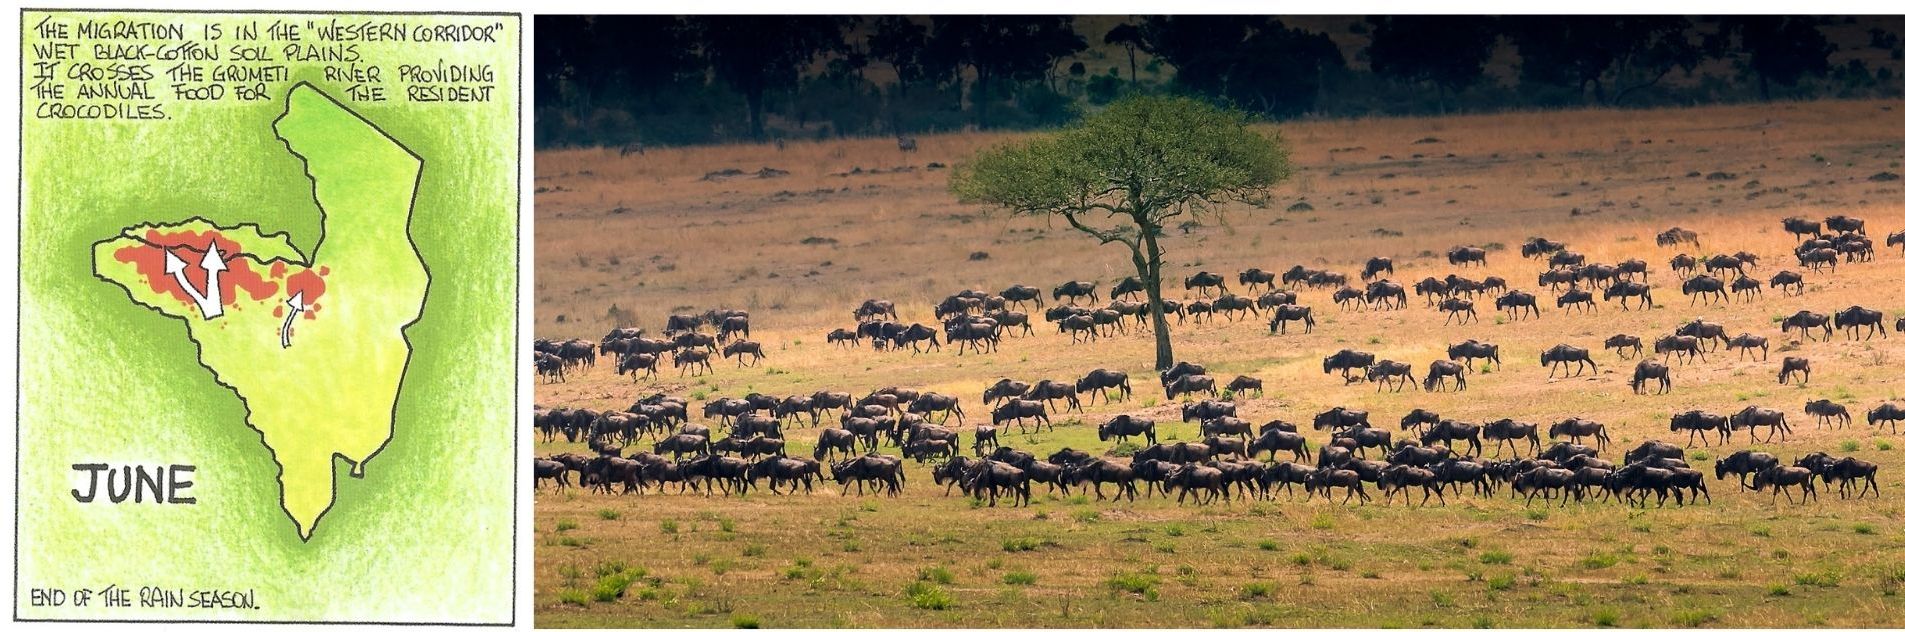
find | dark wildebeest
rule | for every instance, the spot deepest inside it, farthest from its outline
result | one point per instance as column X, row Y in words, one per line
column 1677, row 235
column 930, row 403
column 1805, row 321
column 553, row 470
column 1449, row 432
column 1188, row 384
column 1385, row 370
column 1077, row 324
column 1102, row 380
column 1683, row 264
column 1019, row 294
column 1325, row 278
column 1684, row 346
column 1537, row 246
column 1208, row 409
column 1178, row 370
column 1568, row 300
column 1431, row 288
column 1127, row 287
column 1339, row 417
column 843, row 337
column 1621, row 343
column 1291, row 313
column 1709, row 334
column 1824, row 411
column 1401, row 477
column 1327, row 478
column 1468, row 350
column 745, row 349
column 1576, row 427
column 1345, row 296
column 681, row 444
column 1018, row 410
column 1788, row 282
column 1518, row 302
column 1074, row 290
column 695, row 358
column 1253, row 278
column 1243, row 383
column 1887, row 412
column 1203, row 281
column 1004, row 388
column 875, row 308
column 1568, row 354
column 1270, row 300
column 1566, row 259
column 636, row 364
column 1345, row 359
column 1387, row 294
column 1226, row 426
column 1855, row 318
column 1377, row 265
column 1626, row 289
column 1718, row 264
column 1048, row 391
column 1818, row 258
column 1123, row 426
column 1627, row 269
column 1845, row 224
column 1651, row 369
column 1468, row 255
column 1746, row 343
column 1792, row 365
column 1230, row 304
column 1782, row 478
column 732, row 327
column 1442, row 369
column 1558, row 280
column 1704, row 286
column 1848, row 471
column 1418, row 419
column 1800, row 227
column 1699, row 422
column 1746, row 287
column 1274, row 440
column 1742, row 463
column 1752, row 417
column 1455, row 307
column 1508, row 431
column 984, row 436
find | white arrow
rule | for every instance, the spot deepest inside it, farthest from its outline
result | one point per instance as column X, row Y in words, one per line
column 176, row 267
column 213, row 263
column 296, row 303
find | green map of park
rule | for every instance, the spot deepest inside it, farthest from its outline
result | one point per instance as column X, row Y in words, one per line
column 265, row 316
column 270, row 365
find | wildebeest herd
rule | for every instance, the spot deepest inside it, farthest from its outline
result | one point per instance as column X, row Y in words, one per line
column 864, row 441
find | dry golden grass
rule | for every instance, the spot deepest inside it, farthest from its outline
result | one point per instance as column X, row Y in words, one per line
column 682, row 243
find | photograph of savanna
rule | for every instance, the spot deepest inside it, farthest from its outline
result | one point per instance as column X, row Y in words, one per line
column 1216, row 321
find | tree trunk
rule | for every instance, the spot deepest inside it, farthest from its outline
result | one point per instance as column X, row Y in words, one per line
column 755, row 128
column 1131, row 54
column 1150, row 265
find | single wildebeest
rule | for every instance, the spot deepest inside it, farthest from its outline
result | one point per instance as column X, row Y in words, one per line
column 1566, row 259
column 1224, row 426
column 1449, row 432
column 1800, row 227
column 1004, row 388
column 1385, row 370
column 1818, row 258
column 1468, row 350
column 1746, row 287
column 1576, row 428
column 1568, row 300
column 1208, row 409
column 1782, row 478
column 1339, row 417
column 1742, row 463
column 1518, row 302
column 1699, row 422
column 732, row 327
column 1345, row 359
column 636, row 364
column 744, row 349
column 1677, row 235
column 1848, row 471
column 1442, row 369
column 1292, row 313
column 681, row 444
column 1431, row 288
column 1791, row 365
column 1327, row 478
column 1855, row 318
column 1188, row 384
column 1243, row 383
column 1123, row 426
column 1455, row 307
column 1703, row 286
column 1718, row 264
column 1824, row 412
column 1788, row 282
column 843, row 337
column 1270, row 300
column 1387, row 294
column 553, row 470
column 1755, row 416
column 696, row 358
column 1079, row 324
column 1102, row 380
column 1887, row 412
column 875, row 308
column 1419, row 419
column 1401, row 477
column 1568, row 354
column 1253, row 278
column 1377, row 265
column 1651, row 369
column 929, row 403
column 1203, row 281
column 1018, row 410
column 1467, row 255
column 1710, row 334
column 1274, row 440
column 1048, row 392
column 1805, row 321
column 1128, row 287
column 1323, row 278
column 1686, row 347
column 1018, row 294
column 1625, row 289
column 1345, row 296
column 1746, row 343
column 1074, row 290
column 1845, row 224
column 1622, row 343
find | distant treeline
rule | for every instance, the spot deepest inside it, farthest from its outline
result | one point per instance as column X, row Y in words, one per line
column 671, row 80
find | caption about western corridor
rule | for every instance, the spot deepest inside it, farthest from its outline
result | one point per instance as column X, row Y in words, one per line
column 90, row 66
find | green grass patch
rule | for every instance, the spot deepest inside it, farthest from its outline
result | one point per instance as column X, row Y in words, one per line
column 1135, row 583
column 608, row 514
column 1268, row 545
column 1604, row 617
column 1693, row 618
column 936, row 574
column 670, row 527
column 1599, row 560
column 745, row 621
column 573, row 596
column 1258, row 590
column 928, row 596
column 1496, row 557
column 1020, row 578
column 565, row 524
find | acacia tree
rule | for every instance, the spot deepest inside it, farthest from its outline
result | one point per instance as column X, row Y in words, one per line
column 1121, row 174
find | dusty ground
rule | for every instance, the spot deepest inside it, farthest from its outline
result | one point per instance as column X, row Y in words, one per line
column 627, row 240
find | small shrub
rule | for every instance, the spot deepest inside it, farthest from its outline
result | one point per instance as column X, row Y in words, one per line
column 754, row 550
column 1257, row 590
column 1817, row 580
column 1268, row 545
column 1135, row 583
column 1599, row 560
column 1693, row 618
column 1441, row 599
column 1015, row 545
column 745, row 621
column 573, row 596
column 565, row 524
column 1762, row 531
column 608, row 514
column 1503, row 582
column 1322, row 522
column 1020, row 578
column 1849, row 445
column 1604, row 617
column 928, row 596
column 1537, row 514
column 937, row 574
column 1779, row 590
column 669, row 526
column 727, row 525
column 1174, row 530
column 1496, row 557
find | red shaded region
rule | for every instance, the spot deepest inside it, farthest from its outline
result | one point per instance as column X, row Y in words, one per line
column 312, row 285
column 188, row 246
column 277, row 269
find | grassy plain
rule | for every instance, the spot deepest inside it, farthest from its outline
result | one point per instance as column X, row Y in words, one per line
column 627, row 240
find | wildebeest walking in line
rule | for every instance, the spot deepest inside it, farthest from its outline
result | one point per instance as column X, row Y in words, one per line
column 1568, row 354
column 1683, row 347
column 1675, row 236
column 1074, row 290
column 1346, row 359
column 1457, row 307
column 1576, row 428
column 1101, row 380
column 1699, row 422
column 1651, row 369
column 1291, row 313
column 1629, row 289
column 1746, row 343
column 1242, row 383
column 1805, row 320
column 1886, row 413
column 1377, row 265
column 1468, row 255
column 1623, row 345
column 1203, row 281
column 1855, row 318
column 742, row 351
column 1518, row 302
column 1440, row 371
column 1824, row 412
column 1468, row 350
column 1753, row 417
column 1384, row 371
column 1508, row 431
column 1704, row 287
column 1791, row 365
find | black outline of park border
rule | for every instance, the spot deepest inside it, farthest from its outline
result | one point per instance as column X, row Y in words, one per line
column 19, row 272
